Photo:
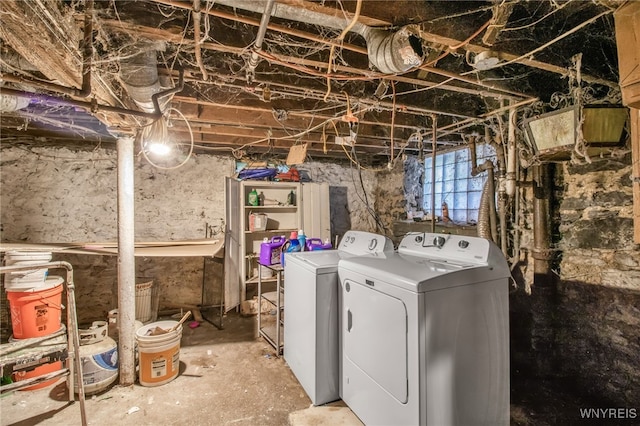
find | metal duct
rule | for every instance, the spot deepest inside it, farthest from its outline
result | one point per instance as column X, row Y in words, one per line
column 484, row 226
column 395, row 52
column 139, row 74
column 390, row 52
column 487, row 221
column 10, row 103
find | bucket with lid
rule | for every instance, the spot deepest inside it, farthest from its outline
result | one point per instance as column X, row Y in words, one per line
column 30, row 277
column 159, row 352
column 37, row 311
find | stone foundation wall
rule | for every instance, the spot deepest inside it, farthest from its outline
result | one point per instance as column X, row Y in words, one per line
column 599, row 290
column 61, row 195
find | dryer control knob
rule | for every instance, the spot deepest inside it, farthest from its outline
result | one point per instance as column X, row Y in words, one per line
column 439, row 241
column 419, row 239
column 463, row 244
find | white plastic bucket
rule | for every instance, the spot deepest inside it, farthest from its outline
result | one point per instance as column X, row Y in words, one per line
column 31, row 277
column 159, row 356
column 144, row 292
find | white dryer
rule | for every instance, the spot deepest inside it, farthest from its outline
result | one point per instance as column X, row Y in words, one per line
column 425, row 333
column 311, row 344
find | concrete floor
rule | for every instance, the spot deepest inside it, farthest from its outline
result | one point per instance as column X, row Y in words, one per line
column 230, row 377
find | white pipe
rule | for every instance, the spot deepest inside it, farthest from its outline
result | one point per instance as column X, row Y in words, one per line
column 510, row 184
column 126, row 262
column 391, row 52
column 257, row 45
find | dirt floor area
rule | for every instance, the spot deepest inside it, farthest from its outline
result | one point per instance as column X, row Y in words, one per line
column 231, row 377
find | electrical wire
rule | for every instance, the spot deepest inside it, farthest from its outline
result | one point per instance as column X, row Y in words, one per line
column 340, row 39
column 191, row 144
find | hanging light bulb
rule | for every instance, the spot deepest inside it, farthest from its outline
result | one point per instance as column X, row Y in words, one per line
column 156, row 138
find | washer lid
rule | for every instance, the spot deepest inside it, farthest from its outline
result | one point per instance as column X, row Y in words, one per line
column 319, row 261
column 419, row 274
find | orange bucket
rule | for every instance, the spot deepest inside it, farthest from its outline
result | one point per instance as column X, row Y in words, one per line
column 38, row 371
column 36, row 313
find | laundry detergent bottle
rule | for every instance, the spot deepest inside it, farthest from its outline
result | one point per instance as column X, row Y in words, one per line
column 270, row 250
column 314, row 244
column 293, row 245
column 302, row 239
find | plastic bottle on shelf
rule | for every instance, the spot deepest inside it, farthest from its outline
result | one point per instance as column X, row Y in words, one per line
column 253, row 197
column 302, row 239
column 291, row 198
column 261, row 199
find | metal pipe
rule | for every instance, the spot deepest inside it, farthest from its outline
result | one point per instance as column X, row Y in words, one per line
column 178, row 88
column 287, row 11
column 496, row 143
column 87, row 50
column 492, row 200
column 541, row 230
column 511, row 154
column 516, row 219
column 126, row 262
column 502, row 216
column 89, row 106
column 257, row 45
column 503, row 93
column 434, row 149
column 72, row 328
column 390, row 52
column 196, row 38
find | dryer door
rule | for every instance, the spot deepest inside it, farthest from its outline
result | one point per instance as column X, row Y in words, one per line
column 375, row 336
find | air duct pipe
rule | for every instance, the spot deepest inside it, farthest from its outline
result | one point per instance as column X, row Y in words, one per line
column 390, row 52
column 10, row 103
column 139, row 75
column 487, row 221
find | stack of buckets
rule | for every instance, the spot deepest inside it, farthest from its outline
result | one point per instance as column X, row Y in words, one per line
column 35, row 302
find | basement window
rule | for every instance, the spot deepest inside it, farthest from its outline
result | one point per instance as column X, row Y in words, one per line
column 454, row 184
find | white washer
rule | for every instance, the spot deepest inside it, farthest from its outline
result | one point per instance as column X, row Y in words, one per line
column 311, row 312
column 425, row 333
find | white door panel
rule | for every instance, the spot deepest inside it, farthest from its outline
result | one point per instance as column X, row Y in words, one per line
column 375, row 336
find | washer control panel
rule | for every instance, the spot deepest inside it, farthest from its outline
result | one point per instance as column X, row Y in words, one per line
column 358, row 242
column 457, row 248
